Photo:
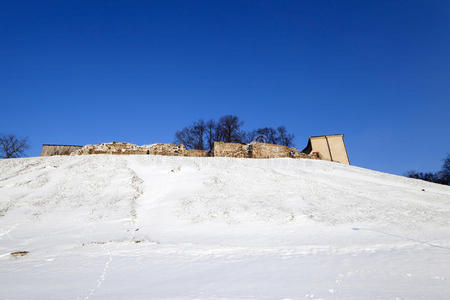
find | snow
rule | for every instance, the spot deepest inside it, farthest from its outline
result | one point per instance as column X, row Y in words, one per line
column 154, row 227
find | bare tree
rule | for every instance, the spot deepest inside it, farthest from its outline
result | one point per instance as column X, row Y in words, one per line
column 266, row 135
column 210, row 133
column 446, row 165
column 201, row 135
column 229, row 130
column 442, row 177
column 192, row 136
column 12, row 146
column 198, row 131
column 445, row 171
column 285, row 138
column 280, row 136
column 184, row 136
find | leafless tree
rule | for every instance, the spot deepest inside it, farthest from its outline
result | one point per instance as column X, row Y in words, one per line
column 229, row 130
column 279, row 136
column 285, row 138
column 201, row 135
column 442, row 177
column 266, row 135
column 184, row 136
column 446, row 170
column 192, row 136
column 210, row 133
column 198, row 131
column 12, row 146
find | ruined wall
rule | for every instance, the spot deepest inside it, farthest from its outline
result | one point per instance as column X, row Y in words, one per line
column 221, row 149
column 297, row 154
column 197, row 153
column 50, row 150
column 110, row 148
column 127, row 148
column 262, row 150
column 257, row 150
column 165, row 149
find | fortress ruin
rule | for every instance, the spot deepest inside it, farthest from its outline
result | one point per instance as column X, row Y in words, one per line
column 328, row 147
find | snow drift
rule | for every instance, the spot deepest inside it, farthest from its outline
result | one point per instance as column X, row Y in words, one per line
column 154, row 227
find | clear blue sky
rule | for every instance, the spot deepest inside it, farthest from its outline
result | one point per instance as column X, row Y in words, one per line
column 79, row 72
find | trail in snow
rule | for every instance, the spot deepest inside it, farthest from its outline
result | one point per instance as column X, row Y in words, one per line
column 403, row 238
column 102, row 276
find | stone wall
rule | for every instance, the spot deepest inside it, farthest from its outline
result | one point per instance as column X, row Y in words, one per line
column 238, row 150
column 50, row 150
column 262, row 150
column 110, row 148
column 220, row 149
column 127, row 148
column 197, row 153
column 297, row 154
column 257, row 150
column 165, row 149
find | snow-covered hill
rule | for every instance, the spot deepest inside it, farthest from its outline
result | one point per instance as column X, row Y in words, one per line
column 152, row 227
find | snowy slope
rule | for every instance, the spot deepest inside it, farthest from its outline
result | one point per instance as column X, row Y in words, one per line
column 151, row 227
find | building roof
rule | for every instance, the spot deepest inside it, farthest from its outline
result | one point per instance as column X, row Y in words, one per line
column 318, row 136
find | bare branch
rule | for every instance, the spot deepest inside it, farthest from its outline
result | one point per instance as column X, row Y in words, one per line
column 12, row 146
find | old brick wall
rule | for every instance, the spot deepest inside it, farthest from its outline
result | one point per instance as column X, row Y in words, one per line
column 221, row 149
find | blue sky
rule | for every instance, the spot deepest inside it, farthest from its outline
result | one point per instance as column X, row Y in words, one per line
column 80, row 72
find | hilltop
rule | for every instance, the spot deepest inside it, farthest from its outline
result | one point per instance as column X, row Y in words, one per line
column 140, row 227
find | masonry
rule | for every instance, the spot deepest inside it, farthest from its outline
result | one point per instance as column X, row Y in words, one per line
column 257, row 150
column 334, row 151
column 50, row 150
column 237, row 150
column 128, row 148
column 220, row 149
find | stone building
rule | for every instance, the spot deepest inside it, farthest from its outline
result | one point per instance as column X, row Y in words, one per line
column 328, row 147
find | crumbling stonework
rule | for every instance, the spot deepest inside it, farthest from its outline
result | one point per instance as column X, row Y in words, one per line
column 297, row 154
column 257, row 150
column 127, row 148
column 220, row 149
column 197, row 153
column 262, row 150
column 50, row 150
column 237, row 150
column 110, row 148
column 165, row 149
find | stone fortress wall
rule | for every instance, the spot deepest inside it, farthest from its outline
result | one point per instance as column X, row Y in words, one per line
column 220, row 149
column 50, row 150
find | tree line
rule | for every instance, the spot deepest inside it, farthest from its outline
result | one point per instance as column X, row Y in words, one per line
column 442, row 176
column 201, row 135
